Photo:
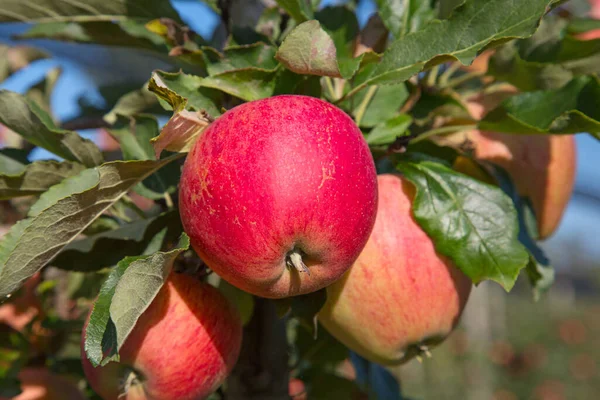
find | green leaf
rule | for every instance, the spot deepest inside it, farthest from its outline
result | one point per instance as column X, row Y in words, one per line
column 13, row 161
column 342, row 27
column 308, row 49
column 36, row 178
column 57, row 225
column 300, row 10
column 385, row 104
column 539, row 270
column 306, row 307
column 581, row 25
column 257, row 55
column 132, row 103
column 13, row 356
column 90, row 10
column 248, row 84
column 107, row 248
column 35, row 125
column 404, row 16
column 571, row 109
column 506, row 64
column 446, row 7
column 470, row 28
column 387, row 131
column 472, row 223
column 126, row 294
column 243, row 301
column 182, row 91
column 106, row 33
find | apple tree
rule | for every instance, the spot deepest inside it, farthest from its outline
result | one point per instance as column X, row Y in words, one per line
column 285, row 208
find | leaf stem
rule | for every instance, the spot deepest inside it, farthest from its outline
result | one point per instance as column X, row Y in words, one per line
column 362, row 107
column 330, row 88
column 168, row 200
column 462, row 79
column 445, row 76
column 432, row 76
column 443, row 129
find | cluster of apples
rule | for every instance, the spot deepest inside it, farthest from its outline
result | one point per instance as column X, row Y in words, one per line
column 280, row 197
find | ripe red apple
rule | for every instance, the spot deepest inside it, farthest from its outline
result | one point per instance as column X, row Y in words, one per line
column 182, row 347
column 542, row 166
column 400, row 297
column 38, row 383
column 279, row 195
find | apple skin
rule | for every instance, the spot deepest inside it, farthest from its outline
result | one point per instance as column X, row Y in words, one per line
column 542, row 167
column 182, row 347
column 297, row 389
column 400, row 294
column 38, row 383
column 273, row 176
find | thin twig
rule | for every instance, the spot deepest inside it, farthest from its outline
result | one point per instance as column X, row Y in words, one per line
column 362, row 107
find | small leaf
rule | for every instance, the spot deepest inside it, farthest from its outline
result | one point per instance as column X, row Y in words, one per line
column 307, row 306
column 57, row 225
column 572, row 109
column 182, row 91
column 35, row 125
column 472, row 223
column 300, row 10
column 126, row 294
column 308, row 49
column 257, row 55
column 387, row 132
column 132, row 103
column 181, row 132
column 107, row 248
column 248, row 84
column 36, row 178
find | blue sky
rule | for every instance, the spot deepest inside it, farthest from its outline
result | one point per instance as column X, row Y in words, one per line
column 97, row 65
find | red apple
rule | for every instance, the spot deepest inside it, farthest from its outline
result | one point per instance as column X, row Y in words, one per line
column 400, row 297
column 182, row 347
column 279, row 195
column 38, row 383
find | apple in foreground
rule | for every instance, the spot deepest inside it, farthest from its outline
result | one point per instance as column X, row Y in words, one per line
column 400, row 297
column 38, row 383
column 182, row 347
column 542, row 166
column 279, row 195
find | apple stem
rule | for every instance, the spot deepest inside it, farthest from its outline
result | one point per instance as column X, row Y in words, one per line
column 295, row 260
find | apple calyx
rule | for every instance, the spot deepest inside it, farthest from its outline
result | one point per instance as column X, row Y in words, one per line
column 293, row 259
column 131, row 380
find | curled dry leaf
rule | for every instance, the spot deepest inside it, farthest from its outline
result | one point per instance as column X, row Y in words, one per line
column 180, row 133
